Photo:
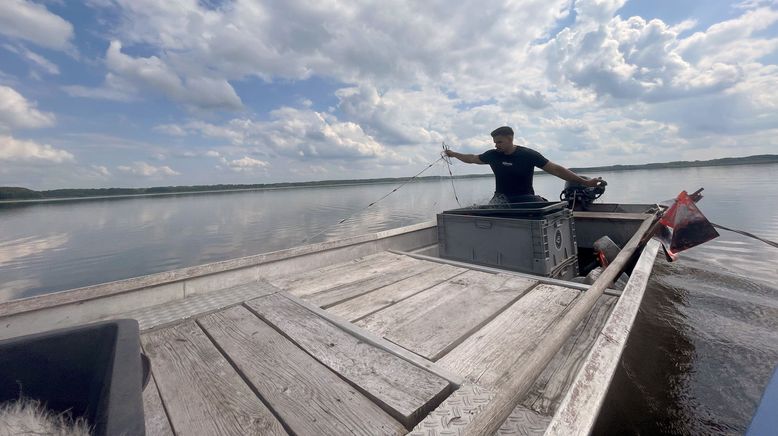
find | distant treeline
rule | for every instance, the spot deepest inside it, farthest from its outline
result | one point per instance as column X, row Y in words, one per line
column 18, row 193
column 758, row 159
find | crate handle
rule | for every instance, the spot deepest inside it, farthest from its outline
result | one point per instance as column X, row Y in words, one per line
column 483, row 224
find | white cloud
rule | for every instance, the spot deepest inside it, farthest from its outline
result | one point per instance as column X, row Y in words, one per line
column 753, row 4
column 17, row 112
column 730, row 41
column 129, row 76
column 144, row 169
column 246, row 164
column 113, row 88
column 100, row 170
column 33, row 22
column 200, row 48
column 297, row 133
column 633, row 59
column 37, row 60
column 399, row 117
column 170, row 129
column 19, row 150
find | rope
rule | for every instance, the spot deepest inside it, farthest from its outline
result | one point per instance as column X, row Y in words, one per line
column 364, row 208
column 750, row 235
column 448, row 165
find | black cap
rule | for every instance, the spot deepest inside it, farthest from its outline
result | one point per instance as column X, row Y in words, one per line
column 502, row 131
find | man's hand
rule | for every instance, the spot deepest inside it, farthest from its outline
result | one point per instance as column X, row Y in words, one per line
column 593, row 183
column 466, row 158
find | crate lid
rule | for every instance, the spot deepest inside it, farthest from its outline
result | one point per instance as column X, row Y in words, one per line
column 514, row 210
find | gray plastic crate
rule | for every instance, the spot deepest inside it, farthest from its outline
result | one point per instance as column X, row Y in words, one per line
column 537, row 240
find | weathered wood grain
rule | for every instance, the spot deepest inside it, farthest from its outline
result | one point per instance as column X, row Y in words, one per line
column 433, row 321
column 550, row 387
column 154, row 414
column 308, row 283
column 403, row 389
column 377, row 341
column 380, row 298
column 201, row 391
column 474, row 267
column 519, row 379
column 306, row 395
column 379, row 277
column 578, row 411
column 485, row 356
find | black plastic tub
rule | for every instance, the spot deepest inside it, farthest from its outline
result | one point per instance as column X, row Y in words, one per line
column 91, row 371
column 512, row 210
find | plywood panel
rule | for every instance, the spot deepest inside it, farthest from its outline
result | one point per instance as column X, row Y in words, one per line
column 433, row 321
column 201, row 391
column 386, row 296
column 306, row 395
column 405, row 390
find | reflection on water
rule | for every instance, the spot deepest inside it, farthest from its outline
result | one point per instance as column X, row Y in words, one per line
column 29, row 246
column 702, row 349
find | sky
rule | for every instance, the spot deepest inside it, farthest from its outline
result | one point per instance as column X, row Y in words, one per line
column 138, row 93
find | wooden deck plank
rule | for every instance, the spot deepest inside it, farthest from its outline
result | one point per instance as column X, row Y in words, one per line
column 550, row 387
column 403, row 389
column 486, row 355
column 377, row 341
column 399, row 270
column 306, row 283
column 201, row 391
column 433, row 321
column 313, row 282
column 154, row 414
column 306, row 395
column 386, row 296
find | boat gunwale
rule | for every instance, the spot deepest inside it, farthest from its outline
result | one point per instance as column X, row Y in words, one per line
column 107, row 289
column 579, row 409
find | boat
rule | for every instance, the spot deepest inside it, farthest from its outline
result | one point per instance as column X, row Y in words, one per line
column 373, row 334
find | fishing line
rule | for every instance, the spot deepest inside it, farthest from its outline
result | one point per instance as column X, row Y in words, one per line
column 364, row 208
column 448, row 165
column 750, row 235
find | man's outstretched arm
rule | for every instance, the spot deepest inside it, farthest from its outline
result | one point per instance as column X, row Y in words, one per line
column 565, row 174
column 466, row 158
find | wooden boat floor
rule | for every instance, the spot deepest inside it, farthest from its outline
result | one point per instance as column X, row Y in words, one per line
column 370, row 346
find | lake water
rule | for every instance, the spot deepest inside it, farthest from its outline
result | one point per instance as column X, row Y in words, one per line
column 703, row 347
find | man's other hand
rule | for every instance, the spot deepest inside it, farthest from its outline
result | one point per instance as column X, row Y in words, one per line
column 593, row 183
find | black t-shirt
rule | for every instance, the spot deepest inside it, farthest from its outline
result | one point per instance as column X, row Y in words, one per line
column 513, row 172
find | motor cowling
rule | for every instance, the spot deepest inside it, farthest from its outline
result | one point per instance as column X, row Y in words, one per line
column 579, row 197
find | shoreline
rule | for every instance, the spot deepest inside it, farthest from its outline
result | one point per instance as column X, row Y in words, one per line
column 330, row 184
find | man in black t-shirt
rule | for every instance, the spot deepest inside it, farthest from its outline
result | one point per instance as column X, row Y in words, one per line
column 513, row 167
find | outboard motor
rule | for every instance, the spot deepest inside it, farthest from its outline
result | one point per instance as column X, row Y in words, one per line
column 579, row 197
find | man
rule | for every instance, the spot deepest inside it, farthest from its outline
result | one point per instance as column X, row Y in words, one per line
column 513, row 167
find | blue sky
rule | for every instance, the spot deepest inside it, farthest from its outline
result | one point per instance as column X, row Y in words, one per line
column 100, row 93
